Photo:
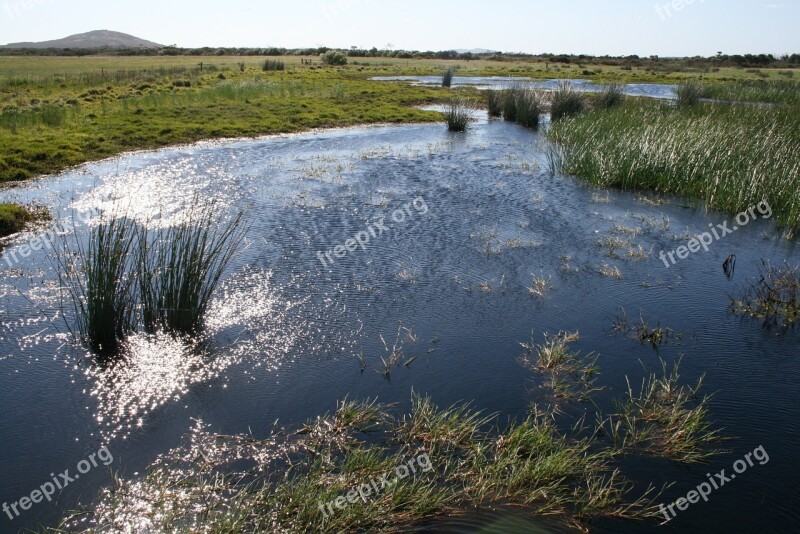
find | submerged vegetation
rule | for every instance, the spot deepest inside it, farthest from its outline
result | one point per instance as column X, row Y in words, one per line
column 774, row 298
column 283, row 482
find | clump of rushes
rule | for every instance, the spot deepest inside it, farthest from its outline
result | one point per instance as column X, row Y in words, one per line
column 447, row 79
column 521, row 104
column 565, row 101
column 181, row 267
column 611, row 96
column 494, row 103
column 101, row 285
column 459, row 114
column 774, row 298
column 689, row 94
column 665, row 419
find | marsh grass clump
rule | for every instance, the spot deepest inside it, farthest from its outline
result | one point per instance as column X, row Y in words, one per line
column 566, row 101
column 102, row 284
column 774, row 298
column 642, row 331
column 727, row 156
column 458, row 114
column 281, row 483
column 494, row 103
column 612, row 95
column 181, row 267
column 520, row 104
column 570, row 375
column 127, row 276
column 689, row 94
column 665, row 418
column 447, row 79
column 272, row 65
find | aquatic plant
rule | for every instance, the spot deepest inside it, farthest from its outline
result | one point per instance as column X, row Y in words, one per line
column 730, row 157
column 689, row 94
column 522, row 105
column 570, row 375
column 665, row 419
column 459, row 114
column 447, row 79
column 774, row 298
column 469, row 462
column 101, row 283
column 611, row 96
column 180, row 268
column 494, row 103
column 565, row 101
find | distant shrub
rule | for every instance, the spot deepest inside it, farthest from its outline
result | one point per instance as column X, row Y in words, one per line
column 333, row 57
column 272, row 65
column 181, row 83
column 447, row 79
column 566, row 101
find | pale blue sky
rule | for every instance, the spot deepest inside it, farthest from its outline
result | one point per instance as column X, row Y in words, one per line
column 620, row 27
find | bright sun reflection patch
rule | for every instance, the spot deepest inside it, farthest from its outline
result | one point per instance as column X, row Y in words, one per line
column 154, row 370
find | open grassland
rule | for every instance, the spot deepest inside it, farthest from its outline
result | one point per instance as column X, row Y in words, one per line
column 56, row 112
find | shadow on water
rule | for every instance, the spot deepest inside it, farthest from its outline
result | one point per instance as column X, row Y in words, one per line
column 458, row 225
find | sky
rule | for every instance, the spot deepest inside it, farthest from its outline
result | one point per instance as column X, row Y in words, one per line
column 621, row 27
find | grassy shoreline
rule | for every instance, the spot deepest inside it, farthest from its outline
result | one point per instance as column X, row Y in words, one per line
column 730, row 157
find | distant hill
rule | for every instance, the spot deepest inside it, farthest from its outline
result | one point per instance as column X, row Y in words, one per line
column 95, row 39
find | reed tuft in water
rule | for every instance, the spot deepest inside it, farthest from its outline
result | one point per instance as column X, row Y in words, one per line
column 566, row 101
column 447, row 79
column 459, row 114
column 181, row 267
column 102, row 284
column 774, row 298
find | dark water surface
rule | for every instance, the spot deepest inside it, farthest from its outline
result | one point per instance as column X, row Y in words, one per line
column 455, row 271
